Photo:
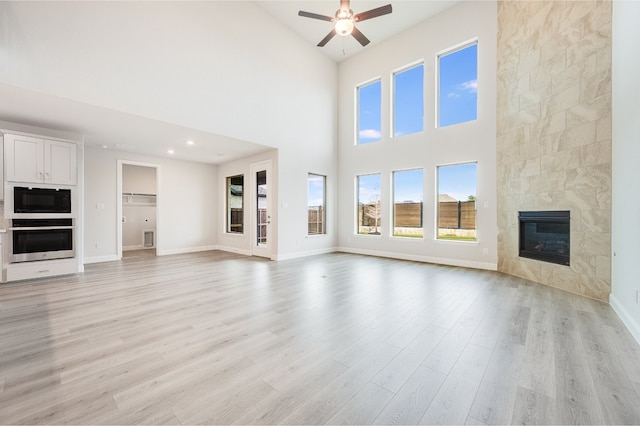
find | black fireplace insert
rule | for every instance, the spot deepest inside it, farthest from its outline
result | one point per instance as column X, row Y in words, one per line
column 544, row 235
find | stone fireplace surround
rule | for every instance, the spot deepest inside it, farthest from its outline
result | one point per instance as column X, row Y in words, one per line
column 554, row 135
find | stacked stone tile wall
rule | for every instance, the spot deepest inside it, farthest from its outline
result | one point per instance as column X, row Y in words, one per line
column 554, row 135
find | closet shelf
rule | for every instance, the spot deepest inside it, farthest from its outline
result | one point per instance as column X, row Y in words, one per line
column 138, row 199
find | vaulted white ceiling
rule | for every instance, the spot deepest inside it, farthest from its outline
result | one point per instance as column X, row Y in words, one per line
column 406, row 13
column 145, row 101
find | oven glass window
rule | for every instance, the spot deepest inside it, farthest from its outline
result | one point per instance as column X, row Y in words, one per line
column 37, row 241
column 41, row 200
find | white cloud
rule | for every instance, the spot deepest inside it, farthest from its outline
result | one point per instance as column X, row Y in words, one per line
column 370, row 134
column 469, row 86
column 453, row 95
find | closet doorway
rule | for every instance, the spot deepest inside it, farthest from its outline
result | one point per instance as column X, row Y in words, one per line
column 137, row 209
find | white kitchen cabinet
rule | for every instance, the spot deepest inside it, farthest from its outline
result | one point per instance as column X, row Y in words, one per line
column 37, row 160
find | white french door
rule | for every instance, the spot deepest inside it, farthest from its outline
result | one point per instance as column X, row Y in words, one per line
column 261, row 209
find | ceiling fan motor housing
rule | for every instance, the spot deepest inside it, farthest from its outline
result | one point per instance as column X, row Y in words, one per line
column 344, row 22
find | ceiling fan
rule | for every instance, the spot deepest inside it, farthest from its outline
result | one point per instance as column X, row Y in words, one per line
column 345, row 19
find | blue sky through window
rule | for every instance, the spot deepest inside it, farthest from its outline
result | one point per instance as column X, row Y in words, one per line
column 368, row 188
column 408, row 105
column 459, row 180
column 370, row 112
column 458, row 89
column 407, row 186
column 316, row 190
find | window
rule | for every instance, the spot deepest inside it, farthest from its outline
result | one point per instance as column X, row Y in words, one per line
column 235, row 204
column 316, row 205
column 457, row 202
column 407, row 203
column 408, row 101
column 369, row 207
column 369, row 112
column 458, row 86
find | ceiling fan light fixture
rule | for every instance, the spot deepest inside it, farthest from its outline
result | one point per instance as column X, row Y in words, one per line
column 344, row 26
column 344, row 21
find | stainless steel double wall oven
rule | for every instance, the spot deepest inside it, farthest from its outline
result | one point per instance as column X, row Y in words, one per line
column 42, row 224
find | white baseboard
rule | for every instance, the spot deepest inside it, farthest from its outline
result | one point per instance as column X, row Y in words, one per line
column 138, row 247
column 100, row 259
column 426, row 259
column 628, row 320
column 235, row 250
column 168, row 252
column 297, row 255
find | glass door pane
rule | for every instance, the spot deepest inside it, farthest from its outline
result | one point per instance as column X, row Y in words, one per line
column 261, row 211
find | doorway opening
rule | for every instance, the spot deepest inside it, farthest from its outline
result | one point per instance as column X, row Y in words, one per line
column 137, row 209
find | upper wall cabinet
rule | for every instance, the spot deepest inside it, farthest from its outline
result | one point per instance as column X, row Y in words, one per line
column 32, row 159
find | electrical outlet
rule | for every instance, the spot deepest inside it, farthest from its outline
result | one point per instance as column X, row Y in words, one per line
column 637, row 296
column 485, row 251
column 98, row 246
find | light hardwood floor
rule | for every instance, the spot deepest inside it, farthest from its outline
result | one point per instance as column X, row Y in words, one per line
column 218, row 338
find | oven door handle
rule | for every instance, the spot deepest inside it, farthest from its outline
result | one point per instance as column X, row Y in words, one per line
column 39, row 228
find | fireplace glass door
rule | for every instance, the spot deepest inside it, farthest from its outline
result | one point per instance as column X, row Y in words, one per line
column 545, row 236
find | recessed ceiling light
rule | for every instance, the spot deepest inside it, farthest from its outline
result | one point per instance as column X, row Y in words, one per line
column 170, row 151
column 190, row 143
column 104, row 146
column 219, row 154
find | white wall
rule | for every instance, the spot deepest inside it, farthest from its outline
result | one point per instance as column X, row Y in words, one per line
column 471, row 141
column 187, row 204
column 625, row 281
column 138, row 179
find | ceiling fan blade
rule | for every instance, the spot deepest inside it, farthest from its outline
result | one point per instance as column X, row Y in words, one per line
column 315, row 16
column 373, row 13
column 359, row 36
column 345, row 4
column 327, row 38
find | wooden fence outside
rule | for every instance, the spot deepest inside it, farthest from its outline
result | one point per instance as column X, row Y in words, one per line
column 457, row 215
column 315, row 221
column 452, row 215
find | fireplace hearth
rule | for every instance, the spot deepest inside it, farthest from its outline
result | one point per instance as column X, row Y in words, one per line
column 544, row 236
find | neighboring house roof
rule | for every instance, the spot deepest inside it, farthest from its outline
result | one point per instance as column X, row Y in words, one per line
column 446, row 198
column 236, row 189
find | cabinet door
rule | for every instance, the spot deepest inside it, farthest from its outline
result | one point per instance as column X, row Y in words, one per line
column 60, row 162
column 24, row 158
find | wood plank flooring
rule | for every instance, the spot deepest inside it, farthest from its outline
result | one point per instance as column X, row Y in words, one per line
column 218, row 338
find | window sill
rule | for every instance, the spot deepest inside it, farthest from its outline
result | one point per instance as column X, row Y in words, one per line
column 369, row 236
column 444, row 241
column 234, row 235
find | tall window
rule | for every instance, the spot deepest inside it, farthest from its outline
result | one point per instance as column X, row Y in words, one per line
column 235, row 204
column 369, row 112
column 316, row 223
column 407, row 203
column 369, row 207
column 458, row 86
column 457, row 202
column 408, row 101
